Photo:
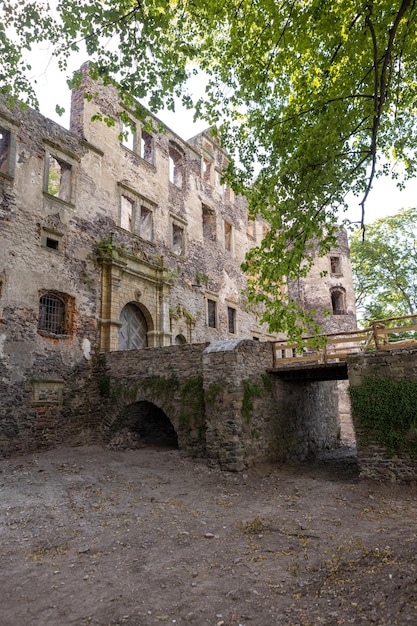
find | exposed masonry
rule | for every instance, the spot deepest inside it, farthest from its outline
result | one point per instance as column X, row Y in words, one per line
column 110, row 244
column 245, row 416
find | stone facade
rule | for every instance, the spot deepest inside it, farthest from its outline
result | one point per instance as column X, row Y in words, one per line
column 110, row 244
column 329, row 288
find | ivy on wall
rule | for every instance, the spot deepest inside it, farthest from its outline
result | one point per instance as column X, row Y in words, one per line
column 252, row 390
column 385, row 410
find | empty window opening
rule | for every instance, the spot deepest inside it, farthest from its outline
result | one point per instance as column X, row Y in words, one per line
column 251, row 227
column 207, row 168
column 177, row 239
column 228, row 236
column 128, row 136
column 231, row 319
column 143, row 424
column 59, row 178
column 52, row 243
column 209, row 223
column 228, row 193
column 126, row 213
column 211, row 313
column 52, row 314
column 180, row 340
column 51, row 240
column 146, row 147
column 338, row 301
column 207, row 145
column 146, row 225
column 176, row 164
column 5, row 140
column 335, row 266
column 133, row 333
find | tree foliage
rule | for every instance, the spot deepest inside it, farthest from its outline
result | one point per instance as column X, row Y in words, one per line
column 385, row 266
column 312, row 98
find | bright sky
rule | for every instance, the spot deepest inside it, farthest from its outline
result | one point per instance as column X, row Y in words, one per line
column 51, row 87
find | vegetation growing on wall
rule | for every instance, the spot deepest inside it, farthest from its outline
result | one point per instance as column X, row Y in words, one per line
column 252, row 390
column 104, row 386
column 191, row 394
column 160, row 385
column 192, row 415
column 386, row 412
column 212, row 392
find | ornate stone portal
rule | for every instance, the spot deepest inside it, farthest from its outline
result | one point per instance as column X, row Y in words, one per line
column 134, row 302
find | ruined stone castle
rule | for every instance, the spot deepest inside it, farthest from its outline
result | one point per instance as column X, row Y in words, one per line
column 116, row 244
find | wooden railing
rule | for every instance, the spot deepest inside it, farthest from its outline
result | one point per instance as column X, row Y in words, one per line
column 378, row 336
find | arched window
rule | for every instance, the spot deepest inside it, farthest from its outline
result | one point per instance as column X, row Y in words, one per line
column 180, row 340
column 134, row 329
column 52, row 314
column 338, row 296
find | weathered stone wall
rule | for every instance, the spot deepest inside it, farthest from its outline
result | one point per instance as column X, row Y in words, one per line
column 221, row 401
column 62, row 236
column 49, row 245
column 253, row 417
column 168, row 377
column 35, row 366
column 206, row 268
column 375, row 461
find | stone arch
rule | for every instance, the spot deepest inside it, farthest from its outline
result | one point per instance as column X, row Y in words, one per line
column 338, row 297
column 142, row 423
column 136, row 323
column 178, row 400
column 180, row 340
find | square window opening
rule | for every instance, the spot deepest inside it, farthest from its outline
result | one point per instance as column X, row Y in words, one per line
column 211, row 313
column 207, row 167
column 59, row 178
column 231, row 319
column 128, row 136
column 146, row 223
column 126, row 213
column 209, row 223
column 147, row 147
column 228, row 236
column 228, row 193
column 177, row 239
column 251, row 227
column 5, row 142
column 335, row 266
column 176, row 165
column 51, row 240
column 52, row 243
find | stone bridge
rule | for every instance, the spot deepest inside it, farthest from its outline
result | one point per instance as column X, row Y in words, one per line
column 225, row 402
column 222, row 400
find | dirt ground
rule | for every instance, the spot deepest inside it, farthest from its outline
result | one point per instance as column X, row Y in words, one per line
column 141, row 537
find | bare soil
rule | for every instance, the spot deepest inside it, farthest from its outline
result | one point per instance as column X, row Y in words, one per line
column 95, row 536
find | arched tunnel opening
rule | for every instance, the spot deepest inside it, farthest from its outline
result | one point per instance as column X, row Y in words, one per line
column 143, row 424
